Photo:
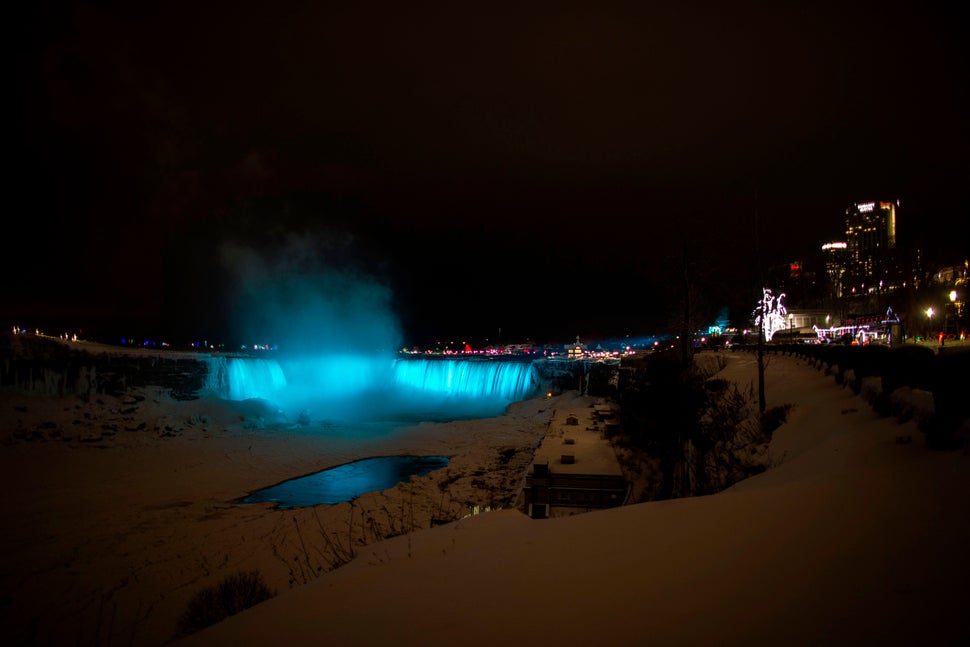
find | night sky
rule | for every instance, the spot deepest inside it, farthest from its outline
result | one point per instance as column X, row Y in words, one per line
column 539, row 169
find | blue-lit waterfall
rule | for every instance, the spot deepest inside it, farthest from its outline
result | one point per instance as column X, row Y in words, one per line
column 508, row 381
column 243, row 379
column 356, row 387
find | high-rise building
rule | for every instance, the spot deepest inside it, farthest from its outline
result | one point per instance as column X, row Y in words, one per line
column 834, row 254
column 870, row 236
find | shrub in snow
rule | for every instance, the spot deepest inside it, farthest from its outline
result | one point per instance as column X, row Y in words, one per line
column 733, row 440
column 951, row 406
column 911, row 366
column 849, row 380
column 870, row 389
column 870, row 360
column 233, row 594
column 906, row 403
column 773, row 418
column 940, row 433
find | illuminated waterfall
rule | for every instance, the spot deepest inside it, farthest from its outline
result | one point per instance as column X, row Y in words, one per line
column 507, row 381
column 245, row 378
column 256, row 378
column 348, row 387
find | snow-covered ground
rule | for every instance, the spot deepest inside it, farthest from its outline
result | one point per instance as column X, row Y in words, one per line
column 854, row 534
column 120, row 510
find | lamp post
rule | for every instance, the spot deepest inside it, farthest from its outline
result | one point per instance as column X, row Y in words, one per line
column 946, row 312
column 929, row 314
column 791, row 332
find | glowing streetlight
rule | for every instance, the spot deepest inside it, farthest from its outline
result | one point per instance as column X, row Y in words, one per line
column 953, row 299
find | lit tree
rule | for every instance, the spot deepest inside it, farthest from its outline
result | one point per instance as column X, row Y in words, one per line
column 770, row 314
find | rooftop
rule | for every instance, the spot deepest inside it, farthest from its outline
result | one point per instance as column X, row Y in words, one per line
column 578, row 432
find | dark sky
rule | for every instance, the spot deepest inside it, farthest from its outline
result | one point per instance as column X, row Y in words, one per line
column 538, row 168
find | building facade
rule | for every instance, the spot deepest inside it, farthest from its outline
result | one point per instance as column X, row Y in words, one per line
column 575, row 468
column 870, row 237
column 835, row 255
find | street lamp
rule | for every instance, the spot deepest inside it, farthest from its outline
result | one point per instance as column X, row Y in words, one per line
column 791, row 333
column 929, row 315
column 946, row 311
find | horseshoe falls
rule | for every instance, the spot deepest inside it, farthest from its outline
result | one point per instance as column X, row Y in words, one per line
column 346, row 388
column 505, row 380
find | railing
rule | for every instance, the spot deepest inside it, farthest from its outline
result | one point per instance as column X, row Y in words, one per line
column 944, row 374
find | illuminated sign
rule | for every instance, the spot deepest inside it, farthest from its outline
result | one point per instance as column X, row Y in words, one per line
column 866, row 207
column 828, row 246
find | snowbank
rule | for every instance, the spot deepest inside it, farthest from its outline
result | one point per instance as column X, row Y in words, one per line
column 119, row 511
column 852, row 537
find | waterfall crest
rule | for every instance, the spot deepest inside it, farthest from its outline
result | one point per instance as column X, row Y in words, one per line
column 467, row 378
column 243, row 378
column 337, row 387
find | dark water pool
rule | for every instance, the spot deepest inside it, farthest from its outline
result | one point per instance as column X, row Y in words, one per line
column 346, row 482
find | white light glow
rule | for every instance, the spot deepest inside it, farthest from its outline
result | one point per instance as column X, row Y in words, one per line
column 773, row 311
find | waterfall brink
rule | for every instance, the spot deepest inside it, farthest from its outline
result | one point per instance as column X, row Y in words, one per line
column 244, row 378
column 508, row 381
column 352, row 387
column 254, row 378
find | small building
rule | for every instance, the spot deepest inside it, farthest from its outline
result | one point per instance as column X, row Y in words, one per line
column 575, row 468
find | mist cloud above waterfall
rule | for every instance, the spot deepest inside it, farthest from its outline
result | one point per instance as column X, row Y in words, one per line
column 306, row 295
column 318, row 295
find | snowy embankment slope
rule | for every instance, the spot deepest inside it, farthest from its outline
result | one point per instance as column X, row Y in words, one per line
column 850, row 537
